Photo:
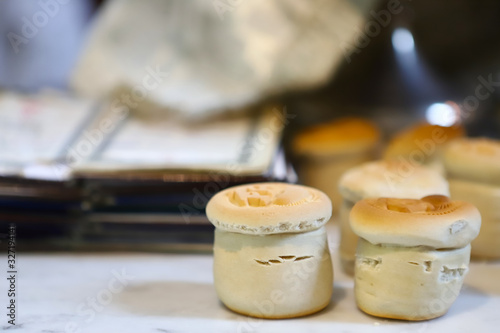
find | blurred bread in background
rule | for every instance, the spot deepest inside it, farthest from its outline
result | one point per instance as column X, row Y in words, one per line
column 473, row 168
column 423, row 144
column 327, row 150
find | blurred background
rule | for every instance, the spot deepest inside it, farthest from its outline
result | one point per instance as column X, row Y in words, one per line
column 119, row 119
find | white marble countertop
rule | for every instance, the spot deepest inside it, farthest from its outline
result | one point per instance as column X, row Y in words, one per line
column 131, row 292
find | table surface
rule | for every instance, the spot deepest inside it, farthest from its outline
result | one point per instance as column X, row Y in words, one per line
column 144, row 292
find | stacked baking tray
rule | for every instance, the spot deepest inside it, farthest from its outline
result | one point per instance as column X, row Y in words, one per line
column 143, row 179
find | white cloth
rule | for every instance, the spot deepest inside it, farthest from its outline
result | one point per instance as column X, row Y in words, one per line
column 218, row 54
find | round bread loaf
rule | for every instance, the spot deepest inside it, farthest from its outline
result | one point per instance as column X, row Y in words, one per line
column 326, row 151
column 474, row 159
column 424, row 138
column 342, row 136
column 433, row 221
column 271, row 254
column 269, row 208
column 394, row 179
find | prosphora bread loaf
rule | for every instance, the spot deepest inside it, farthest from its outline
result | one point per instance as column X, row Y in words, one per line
column 412, row 256
column 473, row 169
column 475, row 160
column 487, row 199
column 423, row 144
column 271, row 255
column 341, row 136
column 325, row 151
column 395, row 179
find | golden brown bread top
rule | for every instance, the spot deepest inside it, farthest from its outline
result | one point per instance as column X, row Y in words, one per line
column 475, row 159
column 269, row 208
column 340, row 136
column 423, row 137
column 432, row 221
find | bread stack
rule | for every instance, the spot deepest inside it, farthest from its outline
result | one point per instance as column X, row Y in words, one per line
column 407, row 244
column 473, row 168
column 328, row 150
column 395, row 179
column 412, row 255
column 271, row 256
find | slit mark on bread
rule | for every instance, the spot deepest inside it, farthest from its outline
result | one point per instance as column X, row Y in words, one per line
column 282, row 259
column 302, row 258
column 413, row 263
column 449, row 274
column 287, row 257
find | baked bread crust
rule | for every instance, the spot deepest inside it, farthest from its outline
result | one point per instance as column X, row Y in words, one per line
column 433, row 221
column 269, row 208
